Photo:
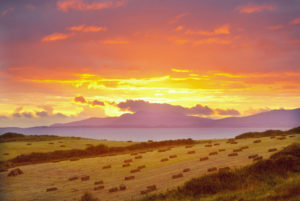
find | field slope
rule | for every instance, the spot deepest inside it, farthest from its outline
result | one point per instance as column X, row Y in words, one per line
column 103, row 175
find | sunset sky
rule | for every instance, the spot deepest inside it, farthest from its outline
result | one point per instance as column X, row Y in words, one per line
column 65, row 60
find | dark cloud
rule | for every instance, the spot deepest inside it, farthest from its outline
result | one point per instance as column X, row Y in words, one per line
column 96, row 102
column 41, row 114
column 198, row 110
column 27, row 115
column 140, row 105
column 80, row 99
column 16, row 115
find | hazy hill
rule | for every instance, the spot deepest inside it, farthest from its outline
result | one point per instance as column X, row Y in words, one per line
column 274, row 118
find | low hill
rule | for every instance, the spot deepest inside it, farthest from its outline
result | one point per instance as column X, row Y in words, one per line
column 268, row 133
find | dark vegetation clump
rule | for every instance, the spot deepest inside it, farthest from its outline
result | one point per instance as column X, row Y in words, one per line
column 12, row 137
column 269, row 172
column 268, row 133
column 91, row 151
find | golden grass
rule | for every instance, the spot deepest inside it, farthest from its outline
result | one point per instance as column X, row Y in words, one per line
column 17, row 148
column 37, row 178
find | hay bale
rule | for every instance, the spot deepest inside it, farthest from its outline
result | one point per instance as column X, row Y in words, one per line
column 85, row 178
column 232, row 154
column 138, row 157
column 164, row 159
column 73, row 178
column 176, row 176
column 186, row 170
column 272, row 150
column 128, row 161
column 15, row 172
column 122, row 187
column 220, row 150
column 237, row 150
column 257, row 158
column 213, row 153
column 126, row 165
column 106, row 167
column 173, row 156
column 212, row 169
column 252, row 156
column 216, row 144
column 151, row 188
column 191, row 152
column 129, row 178
column 256, row 141
column 114, row 189
column 141, row 167
column 51, row 189
column 98, row 182
column 208, row 145
column 135, row 170
column 98, row 188
column 224, row 169
column 204, row 158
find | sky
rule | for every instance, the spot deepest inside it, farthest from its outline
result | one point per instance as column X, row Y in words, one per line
column 66, row 60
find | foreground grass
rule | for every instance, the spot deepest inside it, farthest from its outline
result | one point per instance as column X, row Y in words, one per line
column 277, row 178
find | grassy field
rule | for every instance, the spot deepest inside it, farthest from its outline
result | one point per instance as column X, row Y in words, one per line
column 9, row 150
column 37, row 178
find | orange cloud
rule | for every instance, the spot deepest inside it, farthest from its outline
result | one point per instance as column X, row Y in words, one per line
column 275, row 27
column 5, row 12
column 55, row 37
column 180, row 41
column 180, row 70
column 250, row 8
column 222, row 30
column 178, row 17
column 295, row 21
column 115, row 42
column 212, row 41
column 66, row 5
column 178, row 28
column 84, row 28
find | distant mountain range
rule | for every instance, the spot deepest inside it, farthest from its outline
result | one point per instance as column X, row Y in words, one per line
column 270, row 119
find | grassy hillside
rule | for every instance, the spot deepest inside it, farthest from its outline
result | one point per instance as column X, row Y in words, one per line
column 14, row 144
column 269, row 133
column 277, row 178
column 37, row 178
